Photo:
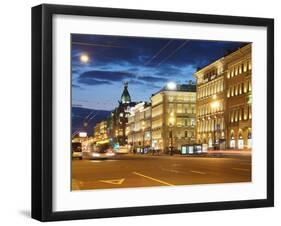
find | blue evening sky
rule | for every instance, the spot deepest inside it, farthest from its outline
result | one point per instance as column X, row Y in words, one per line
column 147, row 64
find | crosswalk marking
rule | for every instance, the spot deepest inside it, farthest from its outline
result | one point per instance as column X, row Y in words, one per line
column 154, row 179
column 115, row 181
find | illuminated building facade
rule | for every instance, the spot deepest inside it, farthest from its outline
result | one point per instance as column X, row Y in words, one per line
column 211, row 105
column 224, row 101
column 239, row 98
column 101, row 133
column 139, row 127
column 173, row 114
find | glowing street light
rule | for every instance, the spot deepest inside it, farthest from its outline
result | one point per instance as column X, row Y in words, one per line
column 84, row 58
column 215, row 104
column 171, row 85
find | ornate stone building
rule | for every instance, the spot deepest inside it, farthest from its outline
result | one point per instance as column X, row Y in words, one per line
column 224, row 101
column 119, row 118
column 139, row 127
column 211, row 104
column 239, row 98
column 173, row 115
column 101, row 133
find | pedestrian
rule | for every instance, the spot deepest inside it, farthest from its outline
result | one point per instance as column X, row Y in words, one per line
column 171, row 151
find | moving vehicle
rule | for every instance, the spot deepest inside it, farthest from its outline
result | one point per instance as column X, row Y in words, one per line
column 100, row 151
column 102, row 154
column 122, row 150
column 76, row 150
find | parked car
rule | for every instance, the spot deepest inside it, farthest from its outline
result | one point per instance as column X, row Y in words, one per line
column 76, row 150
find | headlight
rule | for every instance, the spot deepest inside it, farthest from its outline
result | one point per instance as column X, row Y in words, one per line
column 110, row 154
column 95, row 154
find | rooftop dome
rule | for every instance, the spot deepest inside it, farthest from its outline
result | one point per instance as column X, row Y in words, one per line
column 125, row 97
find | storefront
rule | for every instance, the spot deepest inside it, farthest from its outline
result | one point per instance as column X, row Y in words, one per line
column 194, row 149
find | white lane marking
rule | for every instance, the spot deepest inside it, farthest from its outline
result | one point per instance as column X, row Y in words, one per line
column 168, row 170
column 95, row 161
column 76, row 184
column 240, row 169
column 154, row 179
column 193, row 171
column 115, row 181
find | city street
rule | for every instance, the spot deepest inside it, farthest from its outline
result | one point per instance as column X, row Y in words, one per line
column 145, row 171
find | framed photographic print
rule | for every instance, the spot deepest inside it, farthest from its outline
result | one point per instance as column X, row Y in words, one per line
column 144, row 112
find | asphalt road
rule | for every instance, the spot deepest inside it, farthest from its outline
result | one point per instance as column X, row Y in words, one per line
column 146, row 171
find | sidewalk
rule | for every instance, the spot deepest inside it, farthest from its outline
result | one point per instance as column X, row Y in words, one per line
column 235, row 152
column 210, row 153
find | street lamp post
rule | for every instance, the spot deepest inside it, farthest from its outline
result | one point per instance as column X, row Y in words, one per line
column 171, row 122
column 215, row 130
column 214, row 105
column 143, row 136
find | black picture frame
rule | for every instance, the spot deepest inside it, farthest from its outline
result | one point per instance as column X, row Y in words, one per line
column 42, row 108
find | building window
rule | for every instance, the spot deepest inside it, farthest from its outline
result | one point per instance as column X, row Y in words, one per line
column 245, row 86
column 249, row 65
column 240, row 88
column 236, row 116
column 232, row 73
column 245, row 67
column 246, row 113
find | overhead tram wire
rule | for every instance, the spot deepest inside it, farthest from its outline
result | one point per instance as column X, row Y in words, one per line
column 176, row 50
column 85, row 120
column 158, row 53
column 96, row 45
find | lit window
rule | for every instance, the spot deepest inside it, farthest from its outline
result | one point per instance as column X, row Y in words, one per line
column 250, row 112
column 236, row 115
column 240, row 88
column 240, row 114
column 245, row 87
column 245, row 67
column 236, row 90
column 250, row 86
column 246, row 114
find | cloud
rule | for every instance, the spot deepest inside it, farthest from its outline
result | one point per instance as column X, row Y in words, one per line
column 152, row 79
column 76, row 86
column 92, row 81
column 106, row 75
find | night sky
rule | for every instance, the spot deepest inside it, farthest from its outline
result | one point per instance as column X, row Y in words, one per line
column 100, row 65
